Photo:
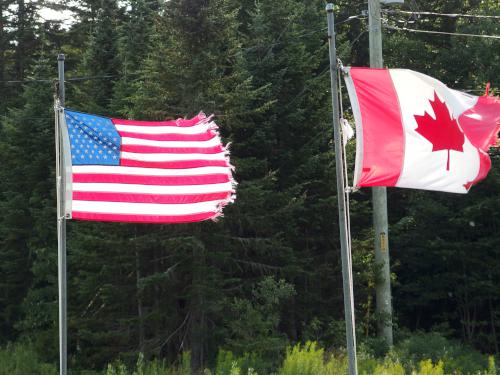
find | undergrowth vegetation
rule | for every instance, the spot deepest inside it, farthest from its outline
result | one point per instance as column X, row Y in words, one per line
column 420, row 354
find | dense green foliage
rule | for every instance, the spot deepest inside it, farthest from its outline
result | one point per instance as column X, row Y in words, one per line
column 267, row 275
column 408, row 357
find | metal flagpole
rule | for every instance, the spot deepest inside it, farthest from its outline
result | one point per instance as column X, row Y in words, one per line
column 345, row 250
column 379, row 198
column 61, row 219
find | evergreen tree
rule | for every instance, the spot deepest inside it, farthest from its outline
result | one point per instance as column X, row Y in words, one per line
column 24, row 22
column 28, row 200
column 133, row 48
column 100, row 60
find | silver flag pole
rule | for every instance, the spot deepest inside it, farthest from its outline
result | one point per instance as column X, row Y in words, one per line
column 61, row 219
column 339, row 163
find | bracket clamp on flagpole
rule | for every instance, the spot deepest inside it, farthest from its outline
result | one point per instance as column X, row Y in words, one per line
column 340, row 65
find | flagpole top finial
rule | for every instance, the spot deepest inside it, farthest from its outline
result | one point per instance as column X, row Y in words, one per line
column 60, row 57
column 329, row 7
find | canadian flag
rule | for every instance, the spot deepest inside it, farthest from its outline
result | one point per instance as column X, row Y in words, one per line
column 413, row 131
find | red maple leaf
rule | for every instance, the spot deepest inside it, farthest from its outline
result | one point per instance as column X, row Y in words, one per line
column 443, row 131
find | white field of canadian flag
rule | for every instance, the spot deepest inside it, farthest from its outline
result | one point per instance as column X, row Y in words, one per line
column 412, row 131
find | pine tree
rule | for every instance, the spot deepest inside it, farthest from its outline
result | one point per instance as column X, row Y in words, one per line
column 133, row 48
column 100, row 60
column 28, row 199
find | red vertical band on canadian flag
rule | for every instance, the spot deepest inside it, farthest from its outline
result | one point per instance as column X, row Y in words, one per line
column 476, row 123
column 382, row 145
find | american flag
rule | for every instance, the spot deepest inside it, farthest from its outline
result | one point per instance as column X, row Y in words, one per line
column 146, row 171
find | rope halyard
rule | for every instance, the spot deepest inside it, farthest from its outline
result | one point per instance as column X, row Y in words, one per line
column 347, row 189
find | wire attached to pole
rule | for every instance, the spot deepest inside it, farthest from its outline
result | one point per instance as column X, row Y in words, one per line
column 397, row 28
column 452, row 15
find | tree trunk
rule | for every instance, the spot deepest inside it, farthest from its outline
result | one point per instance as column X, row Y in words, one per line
column 493, row 327
column 21, row 23
column 140, row 311
column 2, row 47
column 197, row 326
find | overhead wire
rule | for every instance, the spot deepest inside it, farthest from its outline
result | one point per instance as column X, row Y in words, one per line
column 277, row 41
column 268, row 45
column 452, row 15
column 28, row 81
column 398, row 28
column 71, row 79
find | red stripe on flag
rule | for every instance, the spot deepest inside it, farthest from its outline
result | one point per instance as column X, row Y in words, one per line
column 206, row 136
column 193, row 121
column 172, row 150
column 383, row 136
column 143, row 218
column 181, row 164
column 178, row 123
column 215, row 178
column 149, row 198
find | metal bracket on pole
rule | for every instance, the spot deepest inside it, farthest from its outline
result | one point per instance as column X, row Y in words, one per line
column 339, row 164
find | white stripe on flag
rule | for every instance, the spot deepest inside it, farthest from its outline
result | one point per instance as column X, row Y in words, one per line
column 215, row 141
column 172, row 157
column 104, row 169
column 145, row 208
column 197, row 129
column 152, row 189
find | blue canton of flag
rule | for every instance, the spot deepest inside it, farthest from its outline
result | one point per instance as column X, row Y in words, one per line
column 94, row 139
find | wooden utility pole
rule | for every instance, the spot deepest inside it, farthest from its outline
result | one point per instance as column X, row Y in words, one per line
column 379, row 199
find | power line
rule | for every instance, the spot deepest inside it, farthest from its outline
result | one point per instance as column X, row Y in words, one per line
column 28, row 81
column 441, row 32
column 83, row 78
column 348, row 19
column 355, row 40
column 453, row 15
column 246, row 49
column 88, row 78
column 277, row 41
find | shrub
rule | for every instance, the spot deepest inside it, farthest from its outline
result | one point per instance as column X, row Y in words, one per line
column 304, row 360
column 427, row 368
column 389, row 367
column 433, row 346
column 154, row 367
column 253, row 323
column 227, row 364
column 117, row 368
column 21, row 359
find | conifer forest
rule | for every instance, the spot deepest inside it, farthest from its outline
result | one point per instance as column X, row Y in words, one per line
column 262, row 286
